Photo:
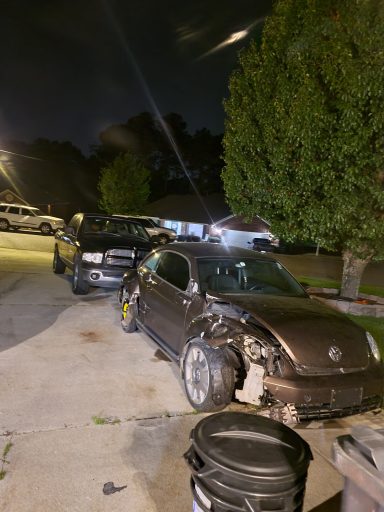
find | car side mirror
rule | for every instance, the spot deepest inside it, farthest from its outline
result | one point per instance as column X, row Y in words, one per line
column 193, row 287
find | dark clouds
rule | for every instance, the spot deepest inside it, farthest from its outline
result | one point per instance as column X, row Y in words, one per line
column 67, row 70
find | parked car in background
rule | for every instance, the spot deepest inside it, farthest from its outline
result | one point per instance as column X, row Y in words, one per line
column 99, row 249
column 263, row 245
column 239, row 324
column 165, row 235
column 18, row 216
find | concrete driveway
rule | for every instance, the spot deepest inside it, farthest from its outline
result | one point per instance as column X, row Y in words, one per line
column 84, row 404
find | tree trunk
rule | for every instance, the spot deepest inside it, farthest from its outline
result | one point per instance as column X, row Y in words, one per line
column 352, row 272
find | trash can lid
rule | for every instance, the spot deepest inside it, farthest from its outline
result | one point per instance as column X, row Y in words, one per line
column 251, row 445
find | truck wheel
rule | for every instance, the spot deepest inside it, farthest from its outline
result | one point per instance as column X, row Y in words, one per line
column 58, row 265
column 163, row 238
column 128, row 316
column 79, row 286
column 45, row 228
column 4, row 224
column 209, row 379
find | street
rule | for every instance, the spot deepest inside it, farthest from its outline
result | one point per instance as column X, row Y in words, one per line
column 83, row 403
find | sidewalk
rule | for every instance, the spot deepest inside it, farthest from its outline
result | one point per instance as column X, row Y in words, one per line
column 65, row 469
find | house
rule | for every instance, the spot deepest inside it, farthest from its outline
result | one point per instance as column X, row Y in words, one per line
column 235, row 231
column 206, row 216
column 9, row 196
column 189, row 214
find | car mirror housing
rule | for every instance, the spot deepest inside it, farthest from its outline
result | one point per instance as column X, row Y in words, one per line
column 193, row 287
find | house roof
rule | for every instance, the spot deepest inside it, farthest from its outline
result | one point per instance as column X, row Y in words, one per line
column 9, row 196
column 237, row 223
column 190, row 208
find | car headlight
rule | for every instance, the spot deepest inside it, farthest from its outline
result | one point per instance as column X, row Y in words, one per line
column 373, row 346
column 93, row 257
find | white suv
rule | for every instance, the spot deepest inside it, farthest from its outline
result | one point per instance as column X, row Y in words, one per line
column 165, row 234
column 21, row 216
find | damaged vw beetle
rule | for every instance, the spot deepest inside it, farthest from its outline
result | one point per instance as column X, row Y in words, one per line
column 240, row 326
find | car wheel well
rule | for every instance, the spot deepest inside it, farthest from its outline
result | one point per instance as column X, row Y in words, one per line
column 129, row 312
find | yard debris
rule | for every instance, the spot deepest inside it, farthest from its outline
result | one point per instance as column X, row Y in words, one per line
column 109, row 488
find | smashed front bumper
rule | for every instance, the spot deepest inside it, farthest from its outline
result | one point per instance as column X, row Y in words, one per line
column 331, row 395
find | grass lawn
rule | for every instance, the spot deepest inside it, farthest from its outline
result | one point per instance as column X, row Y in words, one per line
column 329, row 283
column 372, row 324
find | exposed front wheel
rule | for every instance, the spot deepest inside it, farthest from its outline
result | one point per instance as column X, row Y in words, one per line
column 4, row 225
column 58, row 264
column 45, row 228
column 128, row 316
column 79, row 286
column 209, row 378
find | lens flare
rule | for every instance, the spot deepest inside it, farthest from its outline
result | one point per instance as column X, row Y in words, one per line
column 152, row 102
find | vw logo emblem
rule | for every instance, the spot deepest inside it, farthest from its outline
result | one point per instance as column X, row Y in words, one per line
column 335, row 353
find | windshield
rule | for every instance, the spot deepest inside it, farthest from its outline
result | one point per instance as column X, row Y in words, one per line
column 150, row 223
column 247, row 275
column 119, row 227
column 36, row 212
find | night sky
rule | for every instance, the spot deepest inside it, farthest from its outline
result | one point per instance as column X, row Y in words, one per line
column 70, row 68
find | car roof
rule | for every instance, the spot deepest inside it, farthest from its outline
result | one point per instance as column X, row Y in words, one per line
column 19, row 205
column 208, row 250
column 111, row 217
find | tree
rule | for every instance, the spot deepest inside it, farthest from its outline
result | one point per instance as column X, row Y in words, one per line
column 124, row 185
column 305, row 129
column 205, row 161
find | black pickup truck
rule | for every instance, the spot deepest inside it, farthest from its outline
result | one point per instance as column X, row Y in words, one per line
column 99, row 249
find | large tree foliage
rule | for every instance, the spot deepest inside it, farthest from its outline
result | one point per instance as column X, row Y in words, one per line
column 305, row 128
column 124, row 185
column 171, row 154
column 52, row 175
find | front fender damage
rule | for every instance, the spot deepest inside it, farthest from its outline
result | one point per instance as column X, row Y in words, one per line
column 253, row 354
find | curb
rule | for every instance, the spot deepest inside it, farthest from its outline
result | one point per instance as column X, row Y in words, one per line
column 351, row 307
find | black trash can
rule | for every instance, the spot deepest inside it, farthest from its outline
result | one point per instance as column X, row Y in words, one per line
column 247, row 463
column 359, row 457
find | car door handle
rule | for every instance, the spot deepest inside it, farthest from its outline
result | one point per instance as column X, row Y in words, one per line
column 149, row 280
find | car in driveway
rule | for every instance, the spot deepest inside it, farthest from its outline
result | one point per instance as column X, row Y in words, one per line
column 99, row 249
column 165, row 235
column 240, row 326
column 21, row 216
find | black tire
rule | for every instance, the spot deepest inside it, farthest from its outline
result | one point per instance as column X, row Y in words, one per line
column 128, row 316
column 79, row 286
column 163, row 239
column 58, row 264
column 209, row 378
column 4, row 225
column 45, row 228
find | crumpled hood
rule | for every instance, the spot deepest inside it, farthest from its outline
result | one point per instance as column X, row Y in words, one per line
column 307, row 329
column 101, row 243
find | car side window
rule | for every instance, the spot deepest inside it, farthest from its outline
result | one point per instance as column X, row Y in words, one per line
column 152, row 261
column 25, row 211
column 2, row 208
column 174, row 269
column 145, row 222
column 14, row 209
